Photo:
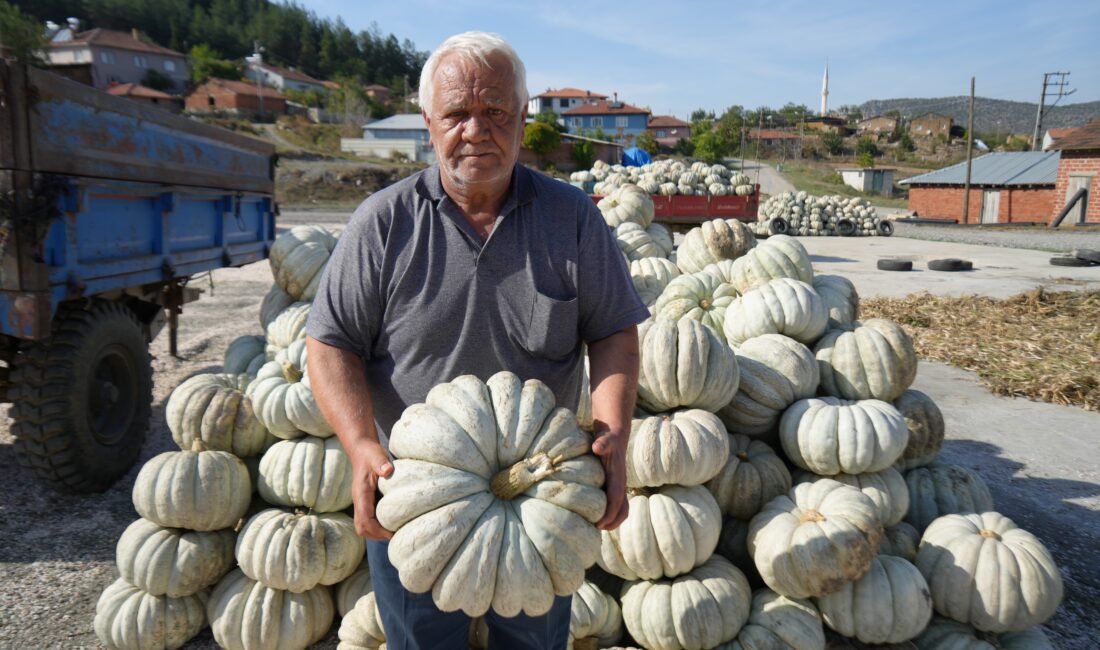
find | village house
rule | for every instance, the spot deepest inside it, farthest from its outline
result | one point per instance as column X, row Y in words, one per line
column 378, row 93
column 620, row 121
column 283, row 78
column 668, row 131
column 930, row 125
column 140, row 93
column 561, row 100
column 878, row 125
column 827, row 124
column 114, row 57
column 402, row 135
column 238, row 98
column 1079, row 169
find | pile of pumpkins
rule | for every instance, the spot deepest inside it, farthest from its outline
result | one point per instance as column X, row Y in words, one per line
column 807, row 215
column 665, row 178
column 782, row 478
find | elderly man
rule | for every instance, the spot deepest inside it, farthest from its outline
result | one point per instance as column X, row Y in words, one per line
column 473, row 266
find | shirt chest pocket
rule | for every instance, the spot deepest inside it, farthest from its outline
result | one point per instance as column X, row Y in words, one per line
column 552, row 327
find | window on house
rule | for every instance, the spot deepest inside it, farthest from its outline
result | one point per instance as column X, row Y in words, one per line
column 621, row 121
column 563, row 103
column 169, row 66
column 576, row 122
column 597, row 122
column 210, row 100
column 660, row 133
column 141, row 61
column 107, row 57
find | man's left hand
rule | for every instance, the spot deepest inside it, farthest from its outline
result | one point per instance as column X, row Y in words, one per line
column 611, row 448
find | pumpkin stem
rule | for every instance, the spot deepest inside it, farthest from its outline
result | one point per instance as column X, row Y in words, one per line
column 514, row 481
column 989, row 534
column 291, row 372
column 742, row 456
column 198, row 445
column 637, row 492
column 811, row 516
column 587, row 643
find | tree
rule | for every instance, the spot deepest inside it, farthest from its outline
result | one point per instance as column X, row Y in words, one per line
column 582, row 153
column 541, row 138
column 905, row 143
column 729, row 127
column 866, row 159
column 206, row 62
column 158, row 81
column 647, row 142
column 833, row 143
column 792, row 113
column 551, row 118
column 21, row 34
column 866, row 145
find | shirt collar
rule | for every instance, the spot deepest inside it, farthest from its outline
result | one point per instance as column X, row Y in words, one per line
column 521, row 191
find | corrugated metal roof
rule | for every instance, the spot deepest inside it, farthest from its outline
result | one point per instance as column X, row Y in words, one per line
column 999, row 168
column 403, row 122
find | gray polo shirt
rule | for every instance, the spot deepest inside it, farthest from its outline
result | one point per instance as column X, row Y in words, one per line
column 414, row 291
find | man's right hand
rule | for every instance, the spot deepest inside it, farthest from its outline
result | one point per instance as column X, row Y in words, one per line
column 368, row 463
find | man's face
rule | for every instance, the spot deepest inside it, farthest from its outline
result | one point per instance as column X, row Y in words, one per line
column 474, row 121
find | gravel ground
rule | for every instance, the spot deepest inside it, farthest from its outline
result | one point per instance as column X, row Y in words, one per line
column 1031, row 237
column 58, row 550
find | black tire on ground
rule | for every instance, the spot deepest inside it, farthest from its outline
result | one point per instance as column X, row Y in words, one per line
column 81, row 400
column 1068, row 260
column 885, row 228
column 779, row 226
column 950, row 265
column 889, row 264
column 845, row 227
column 1087, row 254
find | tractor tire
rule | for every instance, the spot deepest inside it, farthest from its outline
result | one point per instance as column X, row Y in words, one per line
column 891, row 264
column 950, row 265
column 1069, row 260
column 1087, row 254
column 885, row 228
column 779, row 226
column 81, row 401
column 845, row 227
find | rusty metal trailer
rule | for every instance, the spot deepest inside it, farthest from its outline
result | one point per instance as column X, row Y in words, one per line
column 689, row 211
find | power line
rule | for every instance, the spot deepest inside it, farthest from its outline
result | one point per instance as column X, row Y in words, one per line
column 1054, row 85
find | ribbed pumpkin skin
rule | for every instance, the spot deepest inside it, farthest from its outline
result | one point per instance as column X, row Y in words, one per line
column 297, row 258
column 698, row 296
column 703, row 609
column 840, row 297
column 309, row 472
column 245, row 355
column 595, row 615
column 718, row 239
column 661, row 236
column 352, row 588
column 776, row 371
column 828, row 436
column 246, row 615
column 214, row 407
column 288, row 326
column 782, row 306
column 207, row 490
column 985, row 571
column 886, row 488
column 362, row 628
column 283, row 397
column 666, row 534
column 733, row 544
column 891, row 603
column 456, row 524
column 945, row 634
column 171, row 561
column 636, row 243
column 683, row 448
column 926, row 429
column 297, row 552
column 273, row 304
column 941, row 489
column 652, row 274
column 900, row 540
column 627, row 203
column 684, row 364
column 873, row 360
column 128, row 618
column 778, row 256
column 779, row 623
column 752, row 476
column 826, row 525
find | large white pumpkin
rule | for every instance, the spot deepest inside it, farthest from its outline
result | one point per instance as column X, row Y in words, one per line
column 684, row 364
column 900, row 540
column 702, row 609
column 297, row 258
column 752, row 476
column 352, row 588
column 196, row 489
column 841, row 299
column 214, row 407
column 127, row 618
column 778, row 256
column 926, row 429
column 283, row 398
column 776, row 371
column 686, row 447
column 667, row 533
column 493, row 497
column 985, row 571
column 815, row 540
column 889, row 604
column 873, row 360
column 286, row 327
column 361, row 628
column 718, row 239
column 828, row 436
column 298, row 551
column 627, row 203
column 245, row 355
column 698, row 296
column 779, row 623
column 945, row 634
column 636, row 242
column 651, row 275
column 246, row 615
column 941, row 489
column 886, row 488
column 661, row 237
column 172, row 561
column 595, row 619
column 782, row 306
column 308, row 472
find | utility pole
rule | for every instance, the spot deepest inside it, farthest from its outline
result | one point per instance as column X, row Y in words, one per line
column 1053, row 88
column 969, row 154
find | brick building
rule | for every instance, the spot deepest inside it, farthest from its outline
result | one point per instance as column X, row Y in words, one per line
column 1079, row 168
column 930, row 124
column 1009, row 187
column 224, row 96
column 878, row 125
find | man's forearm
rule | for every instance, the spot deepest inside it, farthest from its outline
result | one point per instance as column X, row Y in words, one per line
column 613, row 374
column 340, row 387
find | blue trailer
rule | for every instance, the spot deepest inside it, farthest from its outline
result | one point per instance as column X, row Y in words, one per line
column 107, row 208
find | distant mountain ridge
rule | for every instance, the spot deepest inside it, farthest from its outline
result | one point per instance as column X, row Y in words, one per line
column 990, row 115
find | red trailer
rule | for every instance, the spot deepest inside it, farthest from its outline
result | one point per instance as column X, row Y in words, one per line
column 693, row 210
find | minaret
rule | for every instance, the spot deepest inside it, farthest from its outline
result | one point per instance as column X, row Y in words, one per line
column 825, row 89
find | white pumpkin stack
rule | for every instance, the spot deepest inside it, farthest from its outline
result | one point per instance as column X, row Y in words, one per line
column 816, row 216
column 666, row 178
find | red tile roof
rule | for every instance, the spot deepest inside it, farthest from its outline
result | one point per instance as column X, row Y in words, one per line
column 137, row 90
column 1061, row 133
column 600, row 107
column 117, row 40
column 1082, row 138
column 293, row 75
column 571, row 92
column 242, row 88
column 667, row 122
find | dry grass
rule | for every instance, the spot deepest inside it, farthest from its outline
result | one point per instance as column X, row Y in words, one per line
column 1040, row 345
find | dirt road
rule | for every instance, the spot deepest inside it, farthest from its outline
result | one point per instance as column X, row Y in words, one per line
column 771, row 181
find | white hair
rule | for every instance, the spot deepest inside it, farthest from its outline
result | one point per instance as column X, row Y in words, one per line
column 473, row 47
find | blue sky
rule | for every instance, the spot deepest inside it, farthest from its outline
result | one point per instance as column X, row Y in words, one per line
column 674, row 57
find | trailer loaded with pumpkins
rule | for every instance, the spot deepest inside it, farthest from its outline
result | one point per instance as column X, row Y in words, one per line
column 107, row 208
